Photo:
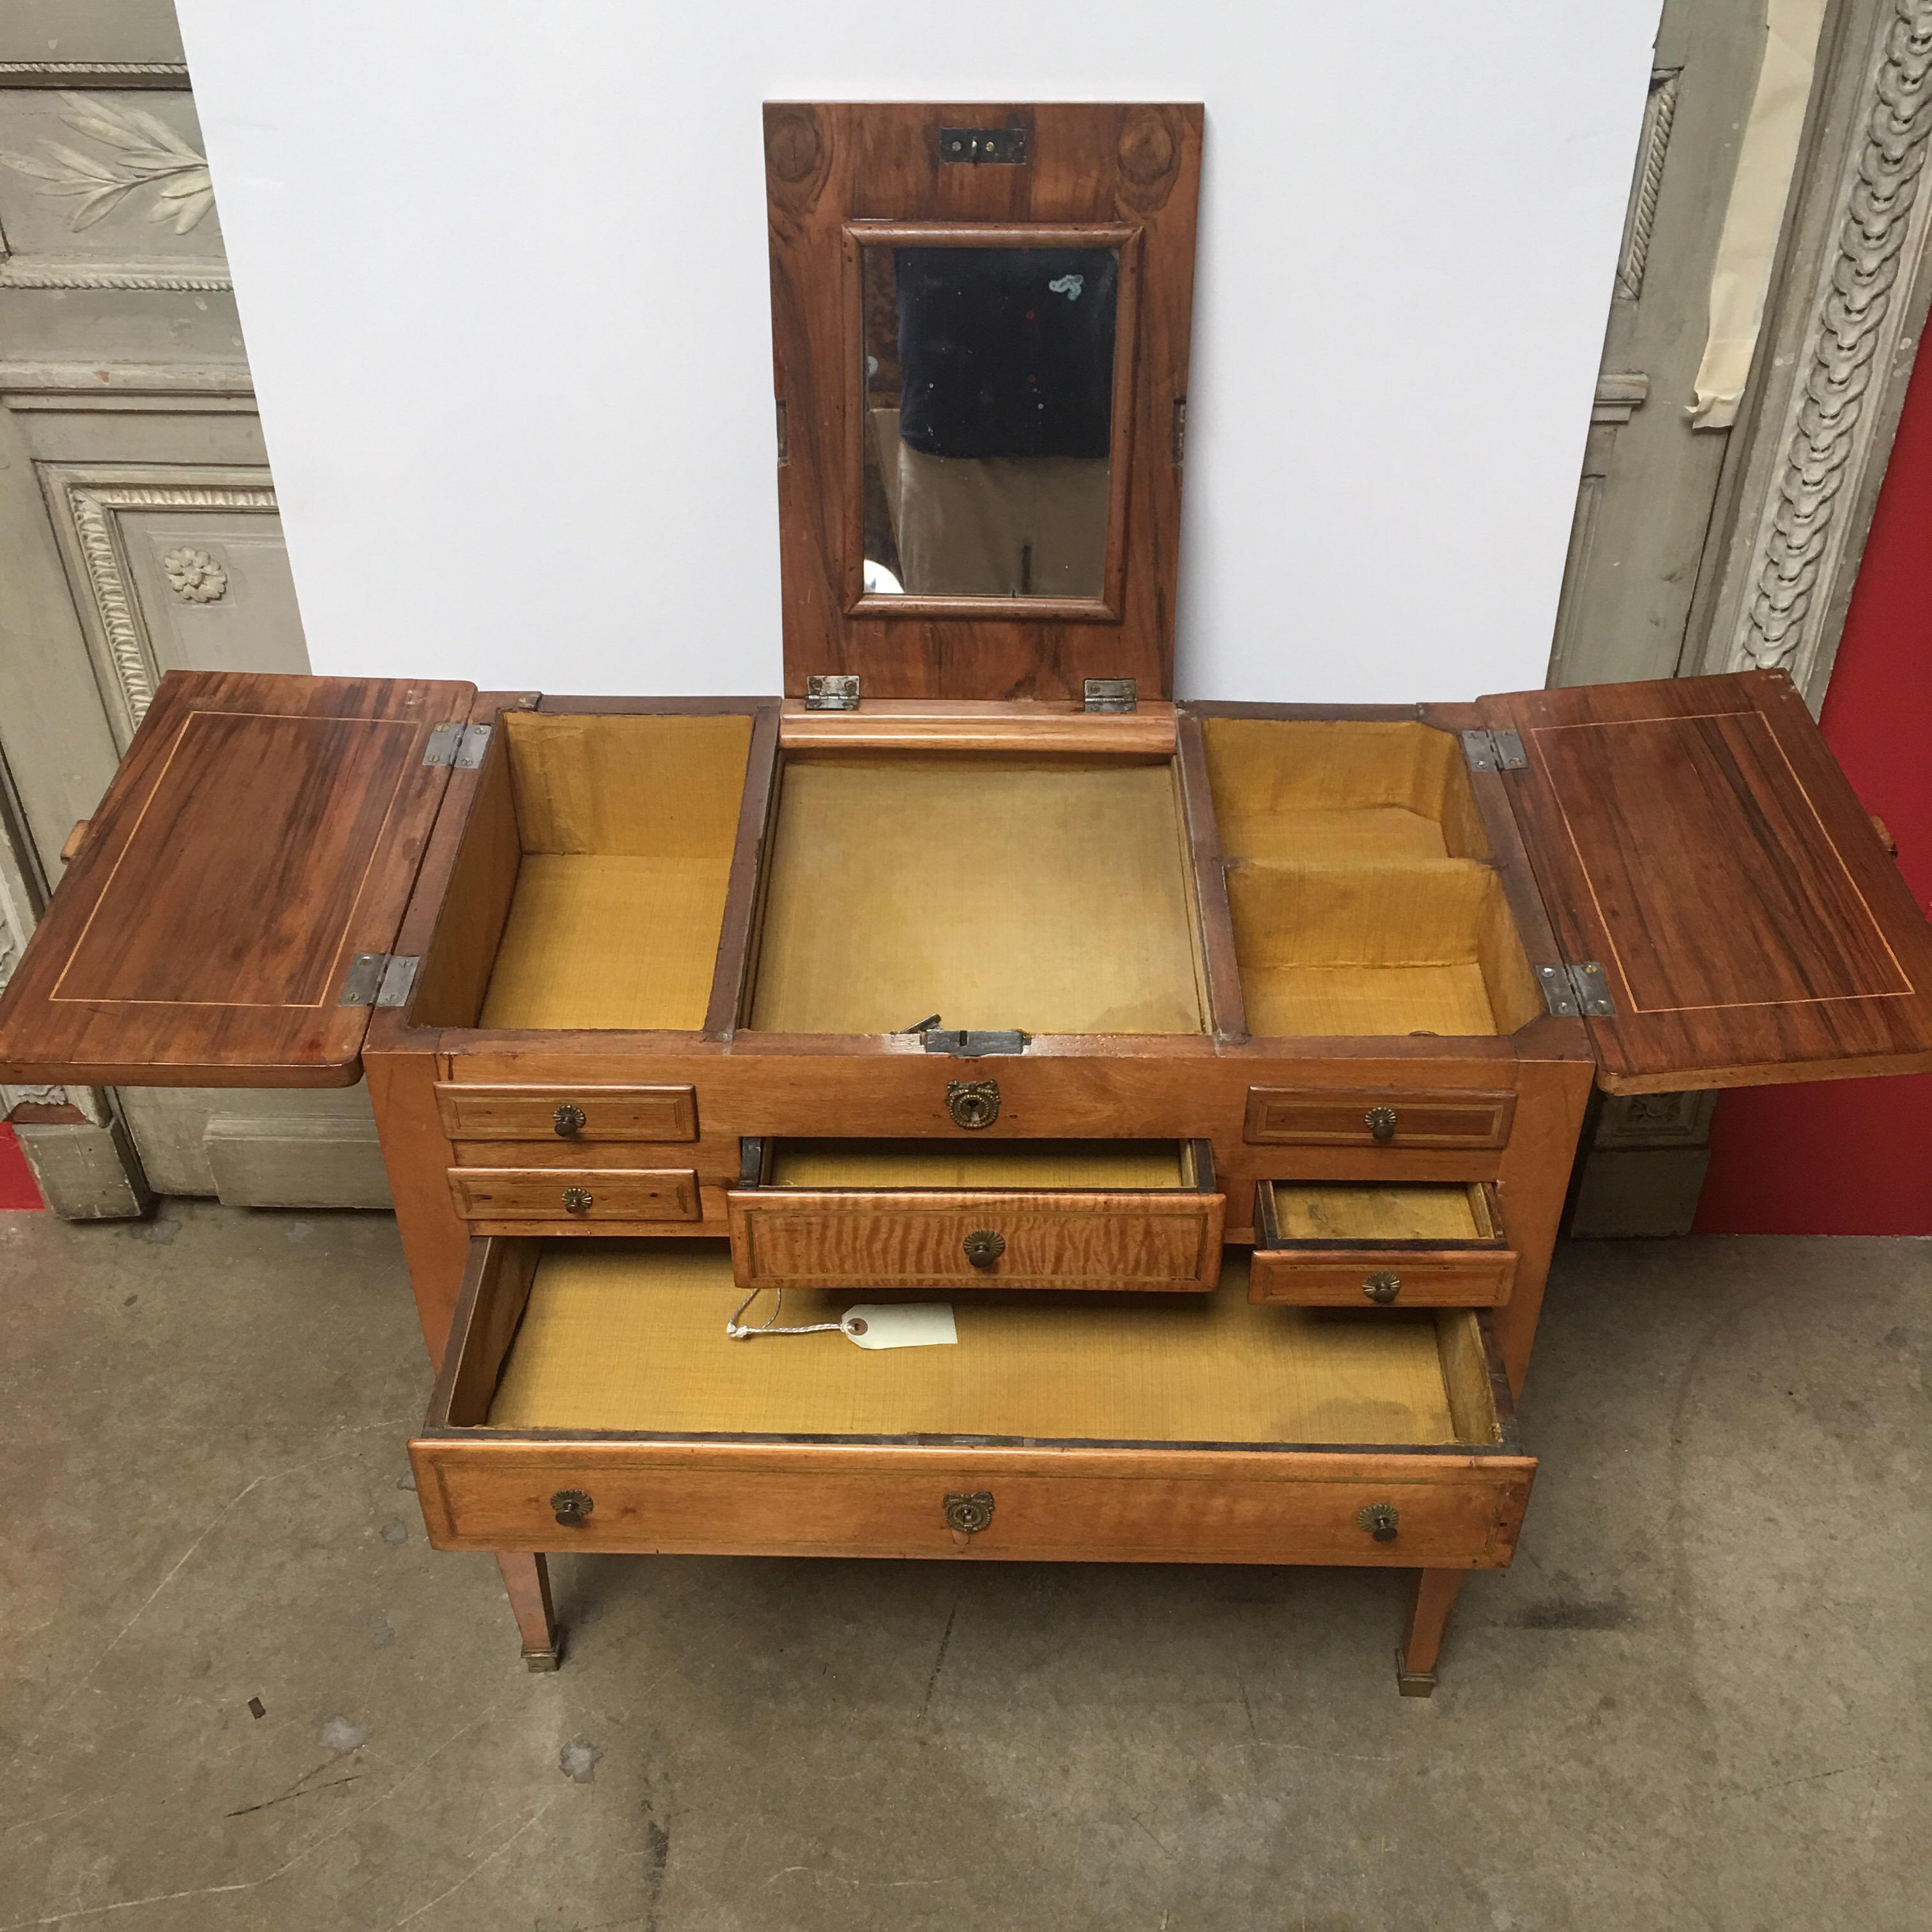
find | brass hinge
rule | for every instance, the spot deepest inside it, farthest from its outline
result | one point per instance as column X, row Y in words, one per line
column 443, row 741
column 380, row 979
column 1179, row 431
column 839, row 693
column 476, row 742
column 1111, row 694
column 1494, row 751
column 1572, row 992
column 964, row 1045
column 784, row 436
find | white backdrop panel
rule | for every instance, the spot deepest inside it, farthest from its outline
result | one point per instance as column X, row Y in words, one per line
column 502, row 270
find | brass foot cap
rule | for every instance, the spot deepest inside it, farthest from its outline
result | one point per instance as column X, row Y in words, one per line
column 1413, row 1683
column 541, row 1659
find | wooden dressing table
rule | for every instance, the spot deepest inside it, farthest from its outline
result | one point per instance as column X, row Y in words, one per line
column 1224, row 1066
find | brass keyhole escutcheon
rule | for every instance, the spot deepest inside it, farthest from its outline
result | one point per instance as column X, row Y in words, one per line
column 568, row 1120
column 973, row 1103
column 984, row 1247
column 1382, row 1289
column 576, row 1200
column 968, row 1515
column 570, row 1507
column 1380, row 1122
column 1379, row 1519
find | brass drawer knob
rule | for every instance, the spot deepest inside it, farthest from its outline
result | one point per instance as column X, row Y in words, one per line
column 1382, row 1289
column 1379, row 1519
column 984, row 1247
column 973, row 1103
column 576, row 1200
column 1380, row 1122
column 968, row 1515
column 571, row 1507
column 568, row 1120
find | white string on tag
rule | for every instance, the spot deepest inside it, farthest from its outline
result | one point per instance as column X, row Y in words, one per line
column 743, row 1334
column 905, row 1325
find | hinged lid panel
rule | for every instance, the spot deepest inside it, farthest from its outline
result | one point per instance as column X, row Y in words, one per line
column 1695, row 841
column 259, row 841
column 980, row 319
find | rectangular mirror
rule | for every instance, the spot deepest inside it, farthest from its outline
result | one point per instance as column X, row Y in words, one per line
column 993, row 384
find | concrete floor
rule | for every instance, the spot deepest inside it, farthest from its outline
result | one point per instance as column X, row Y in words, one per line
column 1699, row 1700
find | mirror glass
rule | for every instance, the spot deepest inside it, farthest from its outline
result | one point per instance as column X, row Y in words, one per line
column 989, row 394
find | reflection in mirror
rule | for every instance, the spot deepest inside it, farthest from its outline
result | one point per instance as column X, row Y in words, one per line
column 989, row 387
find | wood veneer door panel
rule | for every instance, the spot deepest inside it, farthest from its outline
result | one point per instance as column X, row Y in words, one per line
column 798, row 1238
column 1696, row 837
column 262, row 832
column 1455, row 1509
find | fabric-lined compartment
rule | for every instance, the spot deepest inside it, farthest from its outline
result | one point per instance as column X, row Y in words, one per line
column 1382, row 948
column 627, row 824
column 1049, row 894
column 1328, row 1210
column 630, row 1336
column 1359, row 901
column 1340, row 790
column 1000, row 1164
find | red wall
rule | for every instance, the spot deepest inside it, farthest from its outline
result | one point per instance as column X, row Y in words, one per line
column 1855, row 1156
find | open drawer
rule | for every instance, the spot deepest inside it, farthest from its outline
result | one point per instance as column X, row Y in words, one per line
column 1346, row 1244
column 922, row 1214
column 591, row 1400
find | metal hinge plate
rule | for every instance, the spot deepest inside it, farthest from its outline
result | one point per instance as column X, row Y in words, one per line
column 380, row 979
column 839, row 693
column 965, row 1046
column 1574, row 992
column 1494, row 751
column 1111, row 694
column 983, row 144
column 476, row 742
column 442, row 745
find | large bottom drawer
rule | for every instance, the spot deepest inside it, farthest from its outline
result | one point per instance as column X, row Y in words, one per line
column 593, row 1400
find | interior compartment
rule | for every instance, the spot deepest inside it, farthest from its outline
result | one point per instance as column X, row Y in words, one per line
column 1332, row 1210
column 1356, row 886
column 589, row 890
column 1050, row 894
column 630, row 1336
column 995, row 1164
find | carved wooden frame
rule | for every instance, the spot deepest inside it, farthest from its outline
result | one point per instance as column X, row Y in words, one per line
column 831, row 166
column 1843, row 321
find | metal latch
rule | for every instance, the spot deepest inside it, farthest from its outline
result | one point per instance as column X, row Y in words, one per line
column 983, row 144
column 476, row 742
column 380, row 979
column 442, row 745
column 963, row 1044
column 1571, row 992
column 1110, row 694
column 838, row 693
column 1494, row 751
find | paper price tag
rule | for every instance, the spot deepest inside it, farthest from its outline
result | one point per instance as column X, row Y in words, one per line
column 921, row 1324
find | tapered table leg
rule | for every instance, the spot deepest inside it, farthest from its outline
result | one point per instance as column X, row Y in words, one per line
column 1432, row 1598
column 527, row 1578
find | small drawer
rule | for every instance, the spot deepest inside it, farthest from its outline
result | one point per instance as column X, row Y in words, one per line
column 566, row 1194
column 1389, row 1116
column 573, row 1113
column 1102, row 1215
column 591, row 1400
column 1330, row 1244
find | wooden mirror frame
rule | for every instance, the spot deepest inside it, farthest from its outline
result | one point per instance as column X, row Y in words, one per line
column 1124, row 237
column 844, row 174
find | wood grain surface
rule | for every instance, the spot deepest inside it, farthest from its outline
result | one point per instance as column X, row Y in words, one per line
column 262, row 832
column 1697, row 839
column 829, row 165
